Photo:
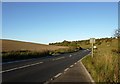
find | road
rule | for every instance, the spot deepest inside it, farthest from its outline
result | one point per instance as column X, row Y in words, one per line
column 40, row 69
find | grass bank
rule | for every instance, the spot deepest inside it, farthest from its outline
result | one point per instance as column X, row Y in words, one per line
column 103, row 67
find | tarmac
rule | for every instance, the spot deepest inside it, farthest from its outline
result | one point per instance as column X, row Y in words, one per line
column 76, row 73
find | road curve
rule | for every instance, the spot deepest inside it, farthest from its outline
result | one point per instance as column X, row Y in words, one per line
column 39, row 70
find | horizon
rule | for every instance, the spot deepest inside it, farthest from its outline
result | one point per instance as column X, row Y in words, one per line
column 53, row 42
column 50, row 22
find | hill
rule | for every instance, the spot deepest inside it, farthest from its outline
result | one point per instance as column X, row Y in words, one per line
column 19, row 50
column 12, row 45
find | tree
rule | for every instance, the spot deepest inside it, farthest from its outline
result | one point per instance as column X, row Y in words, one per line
column 117, row 33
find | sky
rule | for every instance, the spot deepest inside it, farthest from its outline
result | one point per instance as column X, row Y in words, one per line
column 47, row 22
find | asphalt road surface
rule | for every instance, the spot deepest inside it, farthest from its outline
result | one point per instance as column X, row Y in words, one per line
column 40, row 69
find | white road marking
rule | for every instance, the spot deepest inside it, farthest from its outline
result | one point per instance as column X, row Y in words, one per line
column 70, row 56
column 87, row 73
column 71, row 66
column 47, row 82
column 20, row 67
column 75, row 63
column 16, row 61
column 51, row 79
column 57, row 75
column 58, row 58
column 66, row 69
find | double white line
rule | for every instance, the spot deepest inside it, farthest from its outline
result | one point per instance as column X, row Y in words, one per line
column 20, row 67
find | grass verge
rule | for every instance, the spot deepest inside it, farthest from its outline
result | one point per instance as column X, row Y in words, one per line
column 103, row 67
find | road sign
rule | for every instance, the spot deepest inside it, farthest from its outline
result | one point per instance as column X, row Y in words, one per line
column 92, row 40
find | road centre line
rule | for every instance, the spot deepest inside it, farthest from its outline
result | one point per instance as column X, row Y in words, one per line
column 20, row 67
column 58, row 58
column 17, row 61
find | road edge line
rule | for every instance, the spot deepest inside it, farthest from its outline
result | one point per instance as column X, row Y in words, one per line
column 56, row 76
column 91, row 79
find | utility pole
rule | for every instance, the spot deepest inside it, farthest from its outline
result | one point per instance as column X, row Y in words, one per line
column 92, row 41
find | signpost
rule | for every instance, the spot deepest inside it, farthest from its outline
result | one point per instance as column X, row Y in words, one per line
column 92, row 41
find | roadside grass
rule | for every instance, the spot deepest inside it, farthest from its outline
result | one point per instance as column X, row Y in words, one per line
column 67, row 50
column 27, row 54
column 20, row 55
column 103, row 67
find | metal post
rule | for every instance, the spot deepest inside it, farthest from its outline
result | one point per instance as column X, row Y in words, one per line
column 92, row 41
column 92, row 50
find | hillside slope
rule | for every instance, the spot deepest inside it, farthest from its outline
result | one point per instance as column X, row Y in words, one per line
column 12, row 45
